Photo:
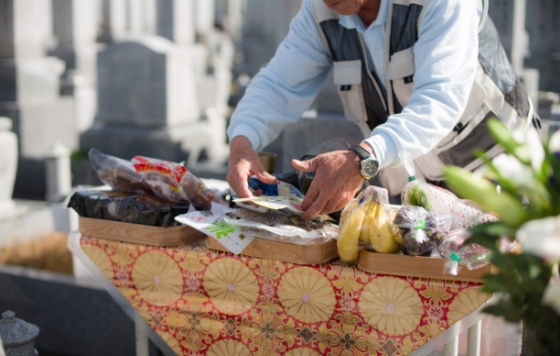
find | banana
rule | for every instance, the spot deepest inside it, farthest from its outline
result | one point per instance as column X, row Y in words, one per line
column 382, row 238
column 349, row 232
column 371, row 210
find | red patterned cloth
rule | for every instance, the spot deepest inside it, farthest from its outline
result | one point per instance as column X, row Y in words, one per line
column 203, row 302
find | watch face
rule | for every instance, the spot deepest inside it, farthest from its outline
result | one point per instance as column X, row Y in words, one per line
column 370, row 167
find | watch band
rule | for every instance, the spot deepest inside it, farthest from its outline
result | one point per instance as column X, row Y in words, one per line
column 361, row 152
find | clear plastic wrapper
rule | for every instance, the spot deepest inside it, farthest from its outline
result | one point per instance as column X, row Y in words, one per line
column 117, row 173
column 281, row 227
column 458, row 253
column 420, row 230
column 365, row 223
column 441, row 201
column 167, row 180
column 173, row 181
column 284, row 204
column 126, row 207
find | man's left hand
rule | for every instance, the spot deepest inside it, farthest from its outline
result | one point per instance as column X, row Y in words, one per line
column 337, row 179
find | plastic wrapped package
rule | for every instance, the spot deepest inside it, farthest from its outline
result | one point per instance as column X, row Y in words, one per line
column 420, row 230
column 432, row 198
column 116, row 172
column 365, row 223
column 457, row 252
column 281, row 227
column 167, row 180
column 126, row 207
column 173, row 181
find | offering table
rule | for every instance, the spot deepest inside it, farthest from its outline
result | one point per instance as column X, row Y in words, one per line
column 194, row 301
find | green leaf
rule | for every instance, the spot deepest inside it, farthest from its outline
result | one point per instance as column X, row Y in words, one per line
column 482, row 192
column 484, row 240
column 503, row 309
column 502, row 135
column 500, row 260
column 493, row 228
column 494, row 283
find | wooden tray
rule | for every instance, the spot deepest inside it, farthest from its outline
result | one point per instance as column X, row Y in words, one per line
column 300, row 254
column 139, row 234
column 410, row 266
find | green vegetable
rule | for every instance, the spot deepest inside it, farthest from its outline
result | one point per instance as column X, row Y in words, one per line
column 418, row 197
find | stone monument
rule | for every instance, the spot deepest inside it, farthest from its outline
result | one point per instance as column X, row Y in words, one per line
column 8, row 166
column 163, row 95
column 75, row 27
column 29, row 89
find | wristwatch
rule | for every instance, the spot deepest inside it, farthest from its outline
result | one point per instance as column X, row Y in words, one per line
column 369, row 165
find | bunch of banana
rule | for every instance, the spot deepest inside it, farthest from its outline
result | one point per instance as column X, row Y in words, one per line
column 365, row 221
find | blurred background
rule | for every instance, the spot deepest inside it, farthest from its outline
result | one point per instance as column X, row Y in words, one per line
column 158, row 78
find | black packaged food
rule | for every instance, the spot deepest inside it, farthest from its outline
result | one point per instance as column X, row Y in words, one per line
column 126, row 207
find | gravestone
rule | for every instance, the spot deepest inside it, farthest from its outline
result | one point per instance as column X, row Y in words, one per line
column 176, row 21
column 75, row 25
column 8, row 167
column 29, row 89
column 148, row 103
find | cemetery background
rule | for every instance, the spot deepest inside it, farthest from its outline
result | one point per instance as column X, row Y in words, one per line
column 158, row 78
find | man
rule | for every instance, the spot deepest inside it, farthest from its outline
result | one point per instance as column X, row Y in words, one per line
column 420, row 77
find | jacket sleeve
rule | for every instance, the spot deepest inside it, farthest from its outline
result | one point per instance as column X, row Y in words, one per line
column 446, row 59
column 280, row 93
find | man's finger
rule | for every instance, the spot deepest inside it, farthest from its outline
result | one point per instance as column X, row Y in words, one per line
column 315, row 208
column 239, row 185
column 309, row 165
column 266, row 177
column 310, row 196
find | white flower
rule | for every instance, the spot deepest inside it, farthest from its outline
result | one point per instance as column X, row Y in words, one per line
column 555, row 142
column 541, row 237
column 551, row 296
column 513, row 170
column 536, row 150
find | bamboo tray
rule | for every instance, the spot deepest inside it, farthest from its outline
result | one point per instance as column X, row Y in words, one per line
column 300, row 254
column 139, row 234
column 410, row 266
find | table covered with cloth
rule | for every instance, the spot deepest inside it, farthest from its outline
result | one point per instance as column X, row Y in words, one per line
column 202, row 302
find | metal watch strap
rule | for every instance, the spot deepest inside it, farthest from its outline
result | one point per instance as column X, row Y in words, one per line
column 361, row 152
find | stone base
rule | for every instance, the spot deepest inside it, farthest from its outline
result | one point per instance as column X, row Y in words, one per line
column 299, row 138
column 190, row 143
column 39, row 125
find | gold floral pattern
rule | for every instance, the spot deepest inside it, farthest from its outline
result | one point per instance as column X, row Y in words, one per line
column 228, row 347
column 465, row 303
column 307, row 295
column 347, row 311
column 171, row 342
column 391, row 306
column 101, row 260
column 157, row 278
column 231, row 285
column 302, row 351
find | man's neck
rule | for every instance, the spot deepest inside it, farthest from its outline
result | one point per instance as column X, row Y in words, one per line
column 369, row 11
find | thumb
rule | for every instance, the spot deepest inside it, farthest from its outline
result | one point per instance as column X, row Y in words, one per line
column 309, row 165
column 265, row 177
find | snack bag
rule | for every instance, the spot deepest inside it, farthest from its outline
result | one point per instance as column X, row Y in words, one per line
column 116, row 172
column 365, row 223
column 173, row 181
column 164, row 179
column 457, row 252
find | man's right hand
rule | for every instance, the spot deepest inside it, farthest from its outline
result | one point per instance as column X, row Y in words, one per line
column 243, row 162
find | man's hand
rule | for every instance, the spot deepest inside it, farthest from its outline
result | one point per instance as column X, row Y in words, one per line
column 337, row 179
column 243, row 162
